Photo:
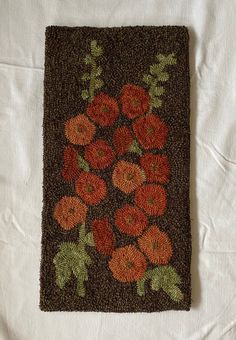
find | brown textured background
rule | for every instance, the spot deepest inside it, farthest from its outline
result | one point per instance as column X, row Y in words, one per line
column 127, row 54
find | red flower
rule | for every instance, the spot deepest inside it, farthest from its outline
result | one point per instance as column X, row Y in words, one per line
column 130, row 220
column 156, row 245
column 99, row 154
column 156, row 167
column 127, row 176
column 103, row 236
column 91, row 188
column 150, row 131
column 151, row 198
column 103, row 110
column 71, row 168
column 122, row 140
column 127, row 264
column 79, row 130
column 135, row 100
column 69, row 211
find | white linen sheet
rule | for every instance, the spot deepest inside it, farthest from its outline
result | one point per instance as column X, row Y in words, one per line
column 212, row 28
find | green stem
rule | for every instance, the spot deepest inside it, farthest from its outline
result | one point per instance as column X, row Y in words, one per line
column 82, row 233
column 92, row 80
column 80, row 288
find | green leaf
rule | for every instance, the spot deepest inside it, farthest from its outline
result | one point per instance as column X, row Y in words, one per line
column 163, row 76
column 85, row 94
column 155, row 283
column 83, row 164
column 158, row 91
column 170, row 59
column 89, row 239
column 156, row 69
column 63, row 271
column 156, row 102
column 96, row 50
column 85, row 77
column 98, row 71
column 148, row 79
column 88, row 59
column 140, row 287
column 134, row 147
column 98, row 83
column 175, row 293
column 72, row 258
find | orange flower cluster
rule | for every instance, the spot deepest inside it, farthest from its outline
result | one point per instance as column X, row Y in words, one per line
column 143, row 181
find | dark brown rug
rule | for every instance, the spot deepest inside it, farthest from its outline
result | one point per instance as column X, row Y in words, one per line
column 115, row 223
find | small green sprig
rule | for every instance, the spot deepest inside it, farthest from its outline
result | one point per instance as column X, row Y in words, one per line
column 93, row 77
column 158, row 74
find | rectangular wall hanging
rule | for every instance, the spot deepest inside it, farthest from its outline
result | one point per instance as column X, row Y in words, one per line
column 115, row 223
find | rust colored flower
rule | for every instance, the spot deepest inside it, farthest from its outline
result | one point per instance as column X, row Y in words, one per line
column 103, row 110
column 91, row 188
column 151, row 198
column 69, row 211
column 103, row 236
column 99, row 154
column 79, row 130
column 122, row 140
column 71, row 169
column 135, row 100
column 127, row 176
column 156, row 245
column 150, row 131
column 156, row 167
column 130, row 220
column 127, row 264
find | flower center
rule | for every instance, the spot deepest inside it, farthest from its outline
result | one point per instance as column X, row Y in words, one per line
column 129, row 264
column 90, row 188
column 135, row 102
column 101, row 153
column 80, row 128
column 154, row 245
column 129, row 219
column 105, row 109
column 151, row 200
column 130, row 176
column 154, row 167
column 71, row 211
column 150, row 130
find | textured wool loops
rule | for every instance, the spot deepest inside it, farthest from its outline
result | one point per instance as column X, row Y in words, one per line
column 115, row 221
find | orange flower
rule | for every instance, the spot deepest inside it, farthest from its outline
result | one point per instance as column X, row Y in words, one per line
column 156, row 167
column 103, row 236
column 69, row 211
column 130, row 220
column 127, row 264
column 79, row 130
column 103, row 110
column 135, row 100
column 127, row 176
column 156, row 245
column 91, row 188
column 71, row 169
column 150, row 131
column 151, row 198
column 122, row 140
column 99, row 154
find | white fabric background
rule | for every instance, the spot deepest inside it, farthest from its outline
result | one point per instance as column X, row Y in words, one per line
column 212, row 27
